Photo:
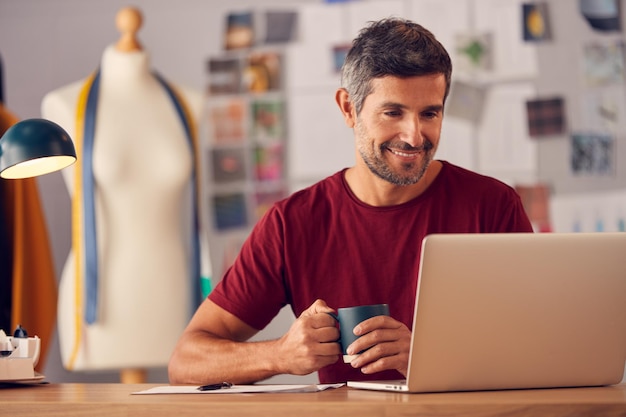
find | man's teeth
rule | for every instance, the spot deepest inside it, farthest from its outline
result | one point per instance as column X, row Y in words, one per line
column 406, row 155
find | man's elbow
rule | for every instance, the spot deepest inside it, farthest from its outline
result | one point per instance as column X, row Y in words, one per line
column 175, row 370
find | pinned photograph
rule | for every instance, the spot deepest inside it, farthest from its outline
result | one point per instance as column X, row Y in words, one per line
column 603, row 110
column 227, row 121
column 229, row 164
column 339, row 56
column 536, row 201
column 267, row 120
column 475, row 51
column 592, row 154
column 262, row 72
column 546, row 117
column 603, row 63
column 230, row 211
column 280, row 26
column 239, row 32
column 224, row 75
column 536, row 22
column 268, row 162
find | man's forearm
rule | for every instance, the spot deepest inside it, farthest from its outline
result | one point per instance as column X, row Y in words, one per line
column 200, row 358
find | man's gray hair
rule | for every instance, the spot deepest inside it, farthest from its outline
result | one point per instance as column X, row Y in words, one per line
column 396, row 47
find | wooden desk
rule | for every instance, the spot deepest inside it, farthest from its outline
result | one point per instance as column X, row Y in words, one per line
column 111, row 400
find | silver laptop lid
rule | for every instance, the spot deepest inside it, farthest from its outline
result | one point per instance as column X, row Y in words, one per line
column 501, row 311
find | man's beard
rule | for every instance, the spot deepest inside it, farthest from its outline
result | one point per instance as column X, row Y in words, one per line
column 376, row 162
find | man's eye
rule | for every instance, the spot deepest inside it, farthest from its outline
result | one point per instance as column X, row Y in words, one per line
column 393, row 113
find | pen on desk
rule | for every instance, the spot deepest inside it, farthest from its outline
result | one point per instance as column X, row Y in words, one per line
column 213, row 387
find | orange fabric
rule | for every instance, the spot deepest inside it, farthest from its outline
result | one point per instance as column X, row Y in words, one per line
column 7, row 119
column 34, row 290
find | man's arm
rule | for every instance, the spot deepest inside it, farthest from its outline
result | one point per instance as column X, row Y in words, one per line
column 213, row 348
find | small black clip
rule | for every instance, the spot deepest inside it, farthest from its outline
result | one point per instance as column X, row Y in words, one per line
column 213, row 387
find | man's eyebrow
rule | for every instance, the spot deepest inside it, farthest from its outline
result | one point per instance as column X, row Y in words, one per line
column 434, row 107
column 393, row 104
column 385, row 104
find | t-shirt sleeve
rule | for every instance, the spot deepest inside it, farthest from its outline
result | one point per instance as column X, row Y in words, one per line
column 513, row 217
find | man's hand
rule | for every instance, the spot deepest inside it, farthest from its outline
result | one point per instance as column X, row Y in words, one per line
column 311, row 342
column 386, row 342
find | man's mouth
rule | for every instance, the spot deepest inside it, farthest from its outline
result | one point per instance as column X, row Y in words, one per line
column 413, row 154
column 409, row 151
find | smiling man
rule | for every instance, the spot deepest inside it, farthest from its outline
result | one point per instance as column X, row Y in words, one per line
column 397, row 133
column 355, row 237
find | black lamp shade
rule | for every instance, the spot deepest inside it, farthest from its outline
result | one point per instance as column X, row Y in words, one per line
column 34, row 147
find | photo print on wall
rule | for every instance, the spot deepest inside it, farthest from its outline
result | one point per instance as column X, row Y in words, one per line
column 546, row 117
column 227, row 120
column 592, row 154
column 230, row 211
column 536, row 22
column 239, row 31
column 603, row 63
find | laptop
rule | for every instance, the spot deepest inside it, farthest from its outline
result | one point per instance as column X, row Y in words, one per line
column 517, row 311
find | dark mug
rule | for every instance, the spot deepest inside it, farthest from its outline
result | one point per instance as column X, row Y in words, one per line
column 349, row 317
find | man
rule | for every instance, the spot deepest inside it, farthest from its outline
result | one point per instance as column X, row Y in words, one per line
column 355, row 237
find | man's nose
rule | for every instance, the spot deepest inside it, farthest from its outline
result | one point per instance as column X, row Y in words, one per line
column 412, row 132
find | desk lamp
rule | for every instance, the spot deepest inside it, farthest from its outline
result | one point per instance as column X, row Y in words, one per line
column 34, row 147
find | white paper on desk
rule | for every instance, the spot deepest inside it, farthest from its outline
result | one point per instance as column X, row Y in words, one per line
column 238, row 389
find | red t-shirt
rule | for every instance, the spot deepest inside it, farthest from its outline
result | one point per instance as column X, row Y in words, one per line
column 322, row 242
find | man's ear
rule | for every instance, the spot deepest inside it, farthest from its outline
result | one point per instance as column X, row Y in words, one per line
column 345, row 105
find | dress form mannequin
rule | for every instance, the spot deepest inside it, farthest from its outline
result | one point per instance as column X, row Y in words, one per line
column 142, row 171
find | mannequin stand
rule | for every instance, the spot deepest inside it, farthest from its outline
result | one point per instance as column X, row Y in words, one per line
column 133, row 376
